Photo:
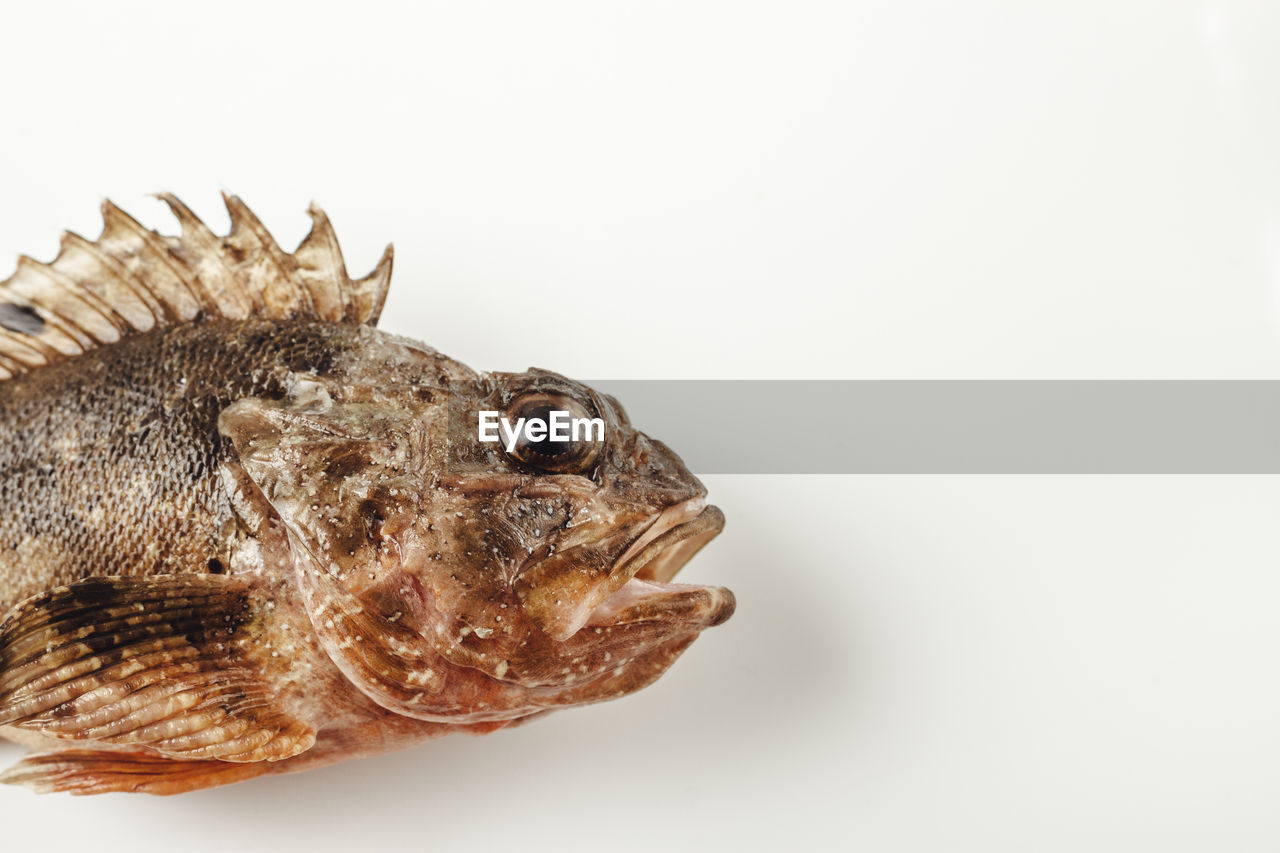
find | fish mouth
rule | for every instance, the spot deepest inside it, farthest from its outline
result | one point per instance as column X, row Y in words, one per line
column 654, row 558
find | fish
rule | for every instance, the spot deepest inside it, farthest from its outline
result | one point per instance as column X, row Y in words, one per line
column 246, row 532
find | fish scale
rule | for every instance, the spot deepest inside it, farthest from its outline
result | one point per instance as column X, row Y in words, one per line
column 113, row 456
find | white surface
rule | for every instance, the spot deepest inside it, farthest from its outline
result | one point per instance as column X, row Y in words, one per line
column 916, row 664
column 744, row 190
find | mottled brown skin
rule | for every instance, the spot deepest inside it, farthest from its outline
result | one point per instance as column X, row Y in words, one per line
column 404, row 579
column 108, row 462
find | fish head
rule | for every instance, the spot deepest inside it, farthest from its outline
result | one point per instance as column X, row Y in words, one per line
column 571, row 520
column 501, row 577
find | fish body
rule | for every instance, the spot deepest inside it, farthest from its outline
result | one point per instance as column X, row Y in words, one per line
column 247, row 532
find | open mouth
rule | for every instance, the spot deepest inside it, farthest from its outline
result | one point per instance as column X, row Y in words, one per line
column 654, row 559
column 560, row 593
column 679, row 532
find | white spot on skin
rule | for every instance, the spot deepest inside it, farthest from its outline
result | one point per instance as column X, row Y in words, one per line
column 422, row 678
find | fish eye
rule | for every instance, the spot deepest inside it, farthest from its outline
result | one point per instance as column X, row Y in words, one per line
column 570, row 449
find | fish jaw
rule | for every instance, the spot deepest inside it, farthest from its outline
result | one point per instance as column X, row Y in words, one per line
column 421, row 662
column 643, row 600
column 656, row 557
column 563, row 604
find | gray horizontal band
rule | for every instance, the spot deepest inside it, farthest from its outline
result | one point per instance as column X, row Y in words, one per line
column 961, row 427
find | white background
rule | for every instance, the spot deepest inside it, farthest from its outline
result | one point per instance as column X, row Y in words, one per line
column 767, row 190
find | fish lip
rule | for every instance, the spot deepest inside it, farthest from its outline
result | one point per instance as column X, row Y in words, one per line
column 640, row 601
column 666, row 541
column 671, row 541
column 662, row 523
column 654, row 558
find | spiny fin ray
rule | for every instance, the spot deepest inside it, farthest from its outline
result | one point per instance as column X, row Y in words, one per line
column 90, row 771
column 161, row 662
column 132, row 280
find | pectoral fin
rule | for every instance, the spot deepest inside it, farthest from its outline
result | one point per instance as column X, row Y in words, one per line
column 166, row 662
column 102, row 771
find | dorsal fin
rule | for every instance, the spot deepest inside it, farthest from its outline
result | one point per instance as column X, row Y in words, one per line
column 132, row 279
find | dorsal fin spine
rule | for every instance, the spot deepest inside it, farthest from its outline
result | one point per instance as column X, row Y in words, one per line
column 373, row 287
column 132, row 280
column 161, row 314
column 151, row 241
column 323, row 243
column 243, row 221
column 68, row 324
column 71, row 288
column 18, row 345
column 196, row 232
